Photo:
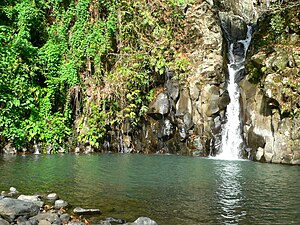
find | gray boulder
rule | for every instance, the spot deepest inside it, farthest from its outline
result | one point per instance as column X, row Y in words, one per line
column 65, row 217
column 32, row 198
column 3, row 222
column 12, row 208
column 50, row 217
column 44, row 222
column 160, row 107
column 60, row 204
column 52, row 196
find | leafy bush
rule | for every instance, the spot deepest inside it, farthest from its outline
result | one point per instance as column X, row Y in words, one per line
column 114, row 53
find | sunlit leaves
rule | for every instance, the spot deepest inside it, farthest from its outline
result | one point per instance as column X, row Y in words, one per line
column 117, row 50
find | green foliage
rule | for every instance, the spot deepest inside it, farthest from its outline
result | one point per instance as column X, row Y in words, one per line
column 94, row 132
column 275, row 45
column 115, row 52
column 277, row 24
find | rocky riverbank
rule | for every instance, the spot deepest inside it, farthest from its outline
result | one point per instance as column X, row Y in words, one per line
column 47, row 209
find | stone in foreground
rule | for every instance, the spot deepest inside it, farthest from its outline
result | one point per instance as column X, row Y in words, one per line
column 52, row 196
column 32, row 198
column 12, row 208
column 3, row 222
column 60, row 204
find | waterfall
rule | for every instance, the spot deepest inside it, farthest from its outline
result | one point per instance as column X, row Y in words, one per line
column 232, row 140
column 36, row 148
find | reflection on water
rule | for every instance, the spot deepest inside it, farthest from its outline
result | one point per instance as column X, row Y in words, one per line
column 172, row 190
column 229, row 192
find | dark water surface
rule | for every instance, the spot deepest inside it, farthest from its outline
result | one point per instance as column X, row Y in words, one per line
column 172, row 190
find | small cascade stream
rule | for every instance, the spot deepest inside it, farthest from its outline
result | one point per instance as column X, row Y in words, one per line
column 232, row 140
column 36, row 148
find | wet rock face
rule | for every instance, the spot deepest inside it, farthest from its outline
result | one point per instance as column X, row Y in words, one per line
column 245, row 9
column 235, row 28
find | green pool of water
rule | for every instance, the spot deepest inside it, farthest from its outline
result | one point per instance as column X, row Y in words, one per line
column 172, row 190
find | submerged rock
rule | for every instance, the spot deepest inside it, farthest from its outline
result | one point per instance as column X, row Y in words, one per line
column 79, row 210
column 110, row 220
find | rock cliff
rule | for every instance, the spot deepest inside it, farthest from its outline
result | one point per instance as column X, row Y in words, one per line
column 271, row 89
column 187, row 117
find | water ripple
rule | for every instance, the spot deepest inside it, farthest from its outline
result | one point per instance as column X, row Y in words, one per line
column 172, row 190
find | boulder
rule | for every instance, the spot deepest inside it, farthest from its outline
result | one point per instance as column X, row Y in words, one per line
column 12, row 208
column 3, row 222
column 65, row 217
column 50, row 217
column 160, row 107
column 281, row 61
column 52, row 196
column 60, row 204
column 32, row 198
column 44, row 222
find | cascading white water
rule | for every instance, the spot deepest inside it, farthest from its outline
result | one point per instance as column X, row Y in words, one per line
column 232, row 133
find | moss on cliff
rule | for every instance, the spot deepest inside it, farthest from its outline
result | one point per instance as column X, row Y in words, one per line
column 275, row 61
